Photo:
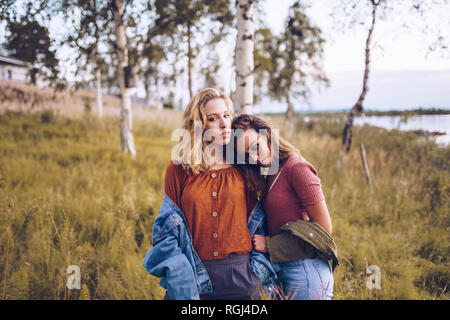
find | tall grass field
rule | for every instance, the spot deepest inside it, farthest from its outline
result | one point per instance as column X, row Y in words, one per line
column 70, row 196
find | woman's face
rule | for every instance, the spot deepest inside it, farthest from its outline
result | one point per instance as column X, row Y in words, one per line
column 256, row 146
column 218, row 119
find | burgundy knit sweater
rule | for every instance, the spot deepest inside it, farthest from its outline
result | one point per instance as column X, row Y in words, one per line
column 297, row 187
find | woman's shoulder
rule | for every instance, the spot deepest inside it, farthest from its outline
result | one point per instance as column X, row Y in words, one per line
column 174, row 181
column 173, row 166
column 296, row 162
column 175, row 170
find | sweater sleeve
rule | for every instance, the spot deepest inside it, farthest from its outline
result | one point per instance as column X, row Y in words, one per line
column 304, row 180
column 173, row 183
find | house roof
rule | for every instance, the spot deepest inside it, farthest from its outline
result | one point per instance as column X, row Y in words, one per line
column 13, row 61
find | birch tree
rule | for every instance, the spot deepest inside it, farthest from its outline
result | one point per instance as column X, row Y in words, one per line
column 411, row 15
column 244, row 56
column 185, row 18
column 126, row 121
column 290, row 63
column 90, row 26
column 264, row 46
column 358, row 107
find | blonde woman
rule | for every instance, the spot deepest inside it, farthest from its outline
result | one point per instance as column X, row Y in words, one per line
column 202, row 238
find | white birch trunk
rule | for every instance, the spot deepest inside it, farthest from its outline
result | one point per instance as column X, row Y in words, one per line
column 244, row 56
column 159, row 104
column 154, row 98
column 358, row 107
column 98, row 75
column 126, row 121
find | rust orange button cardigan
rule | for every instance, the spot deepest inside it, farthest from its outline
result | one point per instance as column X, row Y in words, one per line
column 215, row 204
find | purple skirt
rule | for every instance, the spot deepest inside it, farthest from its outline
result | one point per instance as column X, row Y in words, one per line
column 232, row 279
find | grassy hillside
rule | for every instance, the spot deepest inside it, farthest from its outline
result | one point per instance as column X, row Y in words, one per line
column 69, row 196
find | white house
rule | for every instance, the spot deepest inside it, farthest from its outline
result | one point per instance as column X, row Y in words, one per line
column 13, row 69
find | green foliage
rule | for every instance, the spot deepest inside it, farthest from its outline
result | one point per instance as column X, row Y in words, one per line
column 290, row 62
column 17, row 288
column 84, row 294
column 27, row 37
column 89, row 31
column 406, row 113
column 69, row 196
column 185, row 22
column 30, row 41
column 265, row 43
column 403, row 227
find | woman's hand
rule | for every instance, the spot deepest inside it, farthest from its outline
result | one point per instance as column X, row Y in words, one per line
column 259, row 243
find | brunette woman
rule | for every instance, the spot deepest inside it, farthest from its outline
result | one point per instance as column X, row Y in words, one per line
column 298, row 222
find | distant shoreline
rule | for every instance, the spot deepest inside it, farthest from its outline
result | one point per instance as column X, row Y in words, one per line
column 369, row 112
column 414, row 112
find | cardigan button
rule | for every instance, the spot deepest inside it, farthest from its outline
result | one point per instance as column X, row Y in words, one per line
column 214, row 194
column 213, row 175
column 215, row 254
column 215, row 235
column 214, row 214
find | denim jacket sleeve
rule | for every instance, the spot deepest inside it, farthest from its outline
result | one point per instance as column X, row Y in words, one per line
column 167, row 261
column 260, row 262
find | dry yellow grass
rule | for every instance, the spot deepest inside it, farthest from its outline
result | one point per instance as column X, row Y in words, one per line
column 69, row 196
column 23, row 97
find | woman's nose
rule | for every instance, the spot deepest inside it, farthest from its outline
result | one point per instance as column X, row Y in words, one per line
column 223, row 123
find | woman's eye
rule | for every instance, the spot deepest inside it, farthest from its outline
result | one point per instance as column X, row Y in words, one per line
column 226, row 115
column 212, row 119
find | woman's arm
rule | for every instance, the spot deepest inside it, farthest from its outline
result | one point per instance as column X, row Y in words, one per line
column 319, row 213
column 304, row 180
column 167, row 261
column 173, row 183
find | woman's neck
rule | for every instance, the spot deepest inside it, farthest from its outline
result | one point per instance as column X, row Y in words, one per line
column 218, row 159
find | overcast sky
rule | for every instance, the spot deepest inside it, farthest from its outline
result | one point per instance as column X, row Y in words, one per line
column 401, row 77
column 400, row 49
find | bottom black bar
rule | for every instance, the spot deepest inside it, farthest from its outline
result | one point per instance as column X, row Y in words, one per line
column 174, row 310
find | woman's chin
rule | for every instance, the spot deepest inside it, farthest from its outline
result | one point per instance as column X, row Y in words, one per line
column 226, row 140
column 221, row 142
column 265, row 163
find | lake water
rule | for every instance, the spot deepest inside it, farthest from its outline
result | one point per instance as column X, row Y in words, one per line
column 430, row 123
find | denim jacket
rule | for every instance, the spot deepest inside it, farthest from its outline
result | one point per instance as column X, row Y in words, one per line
column 173, row 258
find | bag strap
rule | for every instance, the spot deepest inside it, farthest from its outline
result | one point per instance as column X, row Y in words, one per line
column 276, row 178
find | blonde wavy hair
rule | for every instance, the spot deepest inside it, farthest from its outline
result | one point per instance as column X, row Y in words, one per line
column 195, row 118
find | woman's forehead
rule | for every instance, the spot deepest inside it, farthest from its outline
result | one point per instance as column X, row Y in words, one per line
column 216, row 105
column 247, row 137
column 249, row 134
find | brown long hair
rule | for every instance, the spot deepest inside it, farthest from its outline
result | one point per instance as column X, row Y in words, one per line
column 251, row 172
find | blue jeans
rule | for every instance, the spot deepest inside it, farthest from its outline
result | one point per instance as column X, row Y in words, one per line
column 304, row 279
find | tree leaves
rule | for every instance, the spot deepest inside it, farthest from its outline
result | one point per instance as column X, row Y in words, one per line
column 290, row 62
